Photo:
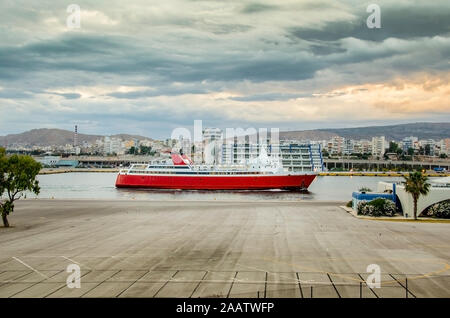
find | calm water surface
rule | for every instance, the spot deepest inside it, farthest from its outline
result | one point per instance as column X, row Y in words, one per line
column 101, row 186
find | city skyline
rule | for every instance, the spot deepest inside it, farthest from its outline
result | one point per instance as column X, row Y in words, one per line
column 146, row 69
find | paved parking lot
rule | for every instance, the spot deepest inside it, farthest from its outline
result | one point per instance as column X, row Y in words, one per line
column 217, row 249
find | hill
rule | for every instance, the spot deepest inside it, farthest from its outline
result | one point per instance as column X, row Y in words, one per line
column 57, row 137
column 60, row 137
column 435, row 131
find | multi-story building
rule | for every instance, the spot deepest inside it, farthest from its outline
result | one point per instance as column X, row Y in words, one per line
column 409, row 142
column 237, row 153
column 445, row 148
column 348, row 147
column 212, row 140
column 378, row 146
column 294, row 156
column 337, row 145
column 113, row 145
column 301, row 157
column 48, row 160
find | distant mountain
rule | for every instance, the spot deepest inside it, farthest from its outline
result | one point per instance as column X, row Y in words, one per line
column 60, row 137
column 57, row 137
column 128, row 137
column 392, row 132
column 306, row 135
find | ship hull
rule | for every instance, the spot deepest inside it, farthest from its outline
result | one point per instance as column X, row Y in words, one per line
column 264, row 182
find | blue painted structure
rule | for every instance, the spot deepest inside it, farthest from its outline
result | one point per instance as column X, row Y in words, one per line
column 67, row 163
column 369, row 196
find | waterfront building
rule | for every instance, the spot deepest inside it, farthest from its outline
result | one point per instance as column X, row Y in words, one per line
column 337, row 145
column 366, row 146
column 301, row 156
column 439, row 192
column 362, row 146
column 239, row 153
column 348, row 147
column 113, row 145
column 446, row 146
column 294, row 156
column 49, row 161
column 67, row 163
column 429, row 146
column 409, row 142
column 212, row 140
column 378, row 146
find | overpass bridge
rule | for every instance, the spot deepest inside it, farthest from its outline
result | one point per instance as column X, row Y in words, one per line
column 371, row 165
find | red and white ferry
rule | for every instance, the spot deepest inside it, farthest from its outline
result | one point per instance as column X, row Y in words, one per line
column 261, row 174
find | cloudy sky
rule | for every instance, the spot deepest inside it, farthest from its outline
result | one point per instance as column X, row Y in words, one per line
column 146, row 67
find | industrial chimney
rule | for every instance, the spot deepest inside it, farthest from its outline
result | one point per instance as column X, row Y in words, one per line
column 75, row 137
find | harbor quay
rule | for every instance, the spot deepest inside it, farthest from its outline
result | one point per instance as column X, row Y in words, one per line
column 129, row 248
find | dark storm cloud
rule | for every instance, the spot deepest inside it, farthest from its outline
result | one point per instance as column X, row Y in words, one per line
column 399, row 22
column 95, row 54
column 111, row 70
column 106, row 54
column 90, row 53
column 61, row 60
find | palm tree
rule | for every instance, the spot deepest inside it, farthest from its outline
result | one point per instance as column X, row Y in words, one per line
column 417, row 185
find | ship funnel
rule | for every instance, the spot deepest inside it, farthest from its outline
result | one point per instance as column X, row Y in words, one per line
column 178, row 160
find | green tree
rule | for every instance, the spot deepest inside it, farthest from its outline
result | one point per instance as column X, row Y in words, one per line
column 393, row 147
column 145, row 150
column 17, row 175
column 365, row 189
column 416, row 184
column 132, row 151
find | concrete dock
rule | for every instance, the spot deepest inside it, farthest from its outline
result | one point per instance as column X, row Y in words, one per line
column 217, row 249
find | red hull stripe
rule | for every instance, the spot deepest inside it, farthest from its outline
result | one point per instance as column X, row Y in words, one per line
column 214, row 183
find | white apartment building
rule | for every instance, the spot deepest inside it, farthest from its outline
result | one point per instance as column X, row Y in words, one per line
column 349, row 147
column 409, row 142
column 212, row 141
column 445, row 148
column 378, row 146
column 113, row 146
column 362, row 146
column 294, row 156
column 336, row 145
column 48, row 160
column 430, row 143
